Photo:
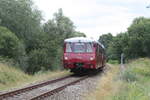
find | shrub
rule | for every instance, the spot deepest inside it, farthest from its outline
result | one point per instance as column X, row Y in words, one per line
column 8, row 43
column 12, row 48
column 129, row 76
column 113, row 61
column 39, row 60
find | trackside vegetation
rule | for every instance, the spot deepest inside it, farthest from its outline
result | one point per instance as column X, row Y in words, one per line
column 132, row 84
column 134, row 43
column 12, row 77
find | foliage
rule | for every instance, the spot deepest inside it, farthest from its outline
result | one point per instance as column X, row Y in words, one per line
column 106, row 39
column 136, row 84
column 133, row 84
column 79, row 34
column 118, row 46
column 32, row 45
column 113, row 61
column 55, row 31
column 11, row 77
column 139, row 33
column 8, row 43
column 134, row 43
column 21, row 17
column 12, row 47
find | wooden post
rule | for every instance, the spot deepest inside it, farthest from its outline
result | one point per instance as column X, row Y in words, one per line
column 122, row 63
column 122, row 55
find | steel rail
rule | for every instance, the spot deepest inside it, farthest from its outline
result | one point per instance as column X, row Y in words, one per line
column 52, row 92
column 29, row 88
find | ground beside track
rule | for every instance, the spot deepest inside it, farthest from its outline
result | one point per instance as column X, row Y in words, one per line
column 77, row 91
column 130, row 84
column 12, row 78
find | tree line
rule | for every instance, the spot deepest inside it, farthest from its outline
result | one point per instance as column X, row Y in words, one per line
column 134, row 43
column 31, row 44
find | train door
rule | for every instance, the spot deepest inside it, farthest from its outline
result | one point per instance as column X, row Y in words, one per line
column 97, row 56
column 103, row 57
column 100, row 56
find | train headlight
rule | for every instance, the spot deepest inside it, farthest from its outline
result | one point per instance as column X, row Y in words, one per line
column 91, row 58
column 66, row 58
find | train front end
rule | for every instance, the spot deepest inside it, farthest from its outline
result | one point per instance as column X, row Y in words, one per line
column 79, row 54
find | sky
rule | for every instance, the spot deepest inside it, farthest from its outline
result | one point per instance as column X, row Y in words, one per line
column 97, row 17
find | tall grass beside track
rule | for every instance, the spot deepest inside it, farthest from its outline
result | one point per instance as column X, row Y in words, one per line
column 11, row 77
column 132, row 84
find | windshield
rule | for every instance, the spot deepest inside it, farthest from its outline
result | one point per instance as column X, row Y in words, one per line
column 79, row 47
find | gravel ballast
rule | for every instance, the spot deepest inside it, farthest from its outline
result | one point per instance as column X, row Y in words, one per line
column 35, row 92
column 77, row 91
column 73, row 92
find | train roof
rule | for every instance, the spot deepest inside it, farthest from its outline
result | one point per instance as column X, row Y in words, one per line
column 79, row 39
column 82, row 39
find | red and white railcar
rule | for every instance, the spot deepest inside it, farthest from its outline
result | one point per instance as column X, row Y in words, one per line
column 83, row 53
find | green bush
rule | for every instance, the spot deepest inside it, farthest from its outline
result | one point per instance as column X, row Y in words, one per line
column 136, row 80
column 38, row 60
column 113, row 61
column 8, row 43
column 12, row 48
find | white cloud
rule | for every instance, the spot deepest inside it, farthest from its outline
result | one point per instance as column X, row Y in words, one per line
column 96, row 17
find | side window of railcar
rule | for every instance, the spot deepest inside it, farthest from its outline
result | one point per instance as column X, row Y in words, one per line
column 101, row 50
column 97, row 49
column 89, row 47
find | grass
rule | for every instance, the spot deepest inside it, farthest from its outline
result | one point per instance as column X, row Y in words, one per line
column 113, row 61
column 11, row 77
column 132, row 84
column 106, row 85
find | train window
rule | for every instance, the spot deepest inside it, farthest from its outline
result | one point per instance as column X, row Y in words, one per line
column 79, row 47
column 68, row 47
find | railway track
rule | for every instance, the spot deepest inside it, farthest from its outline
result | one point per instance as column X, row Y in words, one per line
column 56, row 90
column 29, row 88
column 36, row 92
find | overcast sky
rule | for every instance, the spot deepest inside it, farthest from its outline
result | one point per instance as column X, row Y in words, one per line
column 97, row 17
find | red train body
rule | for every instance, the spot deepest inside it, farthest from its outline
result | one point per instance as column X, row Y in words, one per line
column 83, row 54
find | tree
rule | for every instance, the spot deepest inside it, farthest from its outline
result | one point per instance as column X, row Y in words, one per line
column 106, row 39
column 8, row 43
column 65, row 27
column 12, row 48
column 33, row 46
column 139, row 33
column 79, row 34
column 117, row 46
column 134, row 43
column 22, row 18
